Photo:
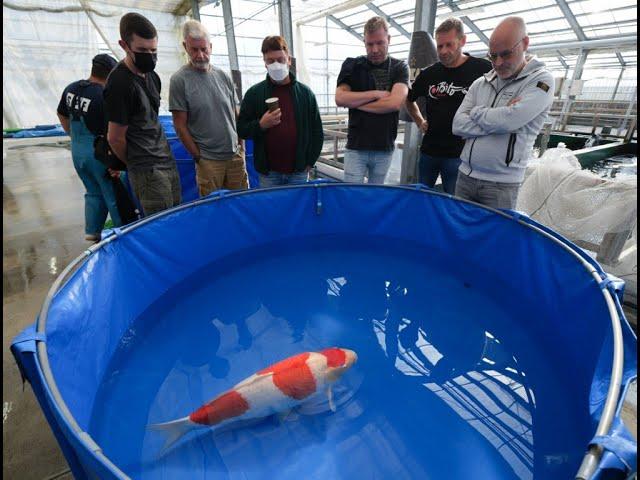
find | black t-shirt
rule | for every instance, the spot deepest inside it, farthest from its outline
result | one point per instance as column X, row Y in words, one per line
column 370, row 131
column 83, row 99
column 134, row 101
column 444, row 89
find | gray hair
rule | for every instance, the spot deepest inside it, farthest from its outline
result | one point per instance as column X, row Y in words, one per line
column 195, row 30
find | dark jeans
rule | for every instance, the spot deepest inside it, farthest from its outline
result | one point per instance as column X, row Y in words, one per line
column 447, row 167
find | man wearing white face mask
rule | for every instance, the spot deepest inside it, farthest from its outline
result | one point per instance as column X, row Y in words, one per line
column 203, row 100
column 287, row 139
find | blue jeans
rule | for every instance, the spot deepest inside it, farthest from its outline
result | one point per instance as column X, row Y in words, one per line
column 372, row 164
column 275, row 179
column 99, row 197
column 447, row 167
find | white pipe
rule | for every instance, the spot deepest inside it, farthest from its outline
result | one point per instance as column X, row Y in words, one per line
column 601, row 43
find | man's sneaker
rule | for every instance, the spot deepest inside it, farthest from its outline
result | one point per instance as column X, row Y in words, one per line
column 92, row 238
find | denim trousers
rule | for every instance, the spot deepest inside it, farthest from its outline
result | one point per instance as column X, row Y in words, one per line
column 447, row 167
column 99, row 197
column 491, row 194
column 372, row 164
column 275, row 179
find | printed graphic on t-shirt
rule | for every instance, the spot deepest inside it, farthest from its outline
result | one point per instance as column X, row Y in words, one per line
column 81, row 105
column 445, row 89
column 382, row 78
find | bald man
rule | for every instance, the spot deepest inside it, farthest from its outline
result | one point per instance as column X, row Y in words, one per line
column 500, row 118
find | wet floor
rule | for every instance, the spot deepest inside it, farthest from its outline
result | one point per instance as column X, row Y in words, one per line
column 42, row 219
column 43, row 209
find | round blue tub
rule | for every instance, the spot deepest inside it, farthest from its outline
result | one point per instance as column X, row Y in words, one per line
column 488, row 346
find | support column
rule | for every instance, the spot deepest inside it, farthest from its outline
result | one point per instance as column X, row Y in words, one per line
column 286, row 27
column 231, row 47
column 326, row 59
column 627, row 115
column 195, row 10
column 615, row 89
column 577, row 75
column 425, row 20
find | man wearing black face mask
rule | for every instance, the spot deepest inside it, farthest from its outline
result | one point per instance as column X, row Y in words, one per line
column 132, row 101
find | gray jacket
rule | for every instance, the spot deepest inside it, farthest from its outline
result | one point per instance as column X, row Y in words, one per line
column 499, row 137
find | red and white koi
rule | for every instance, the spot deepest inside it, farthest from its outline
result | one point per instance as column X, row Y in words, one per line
column 278, row 388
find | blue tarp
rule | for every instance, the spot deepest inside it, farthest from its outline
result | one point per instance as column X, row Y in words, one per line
column 119, row 281
column 39, row 131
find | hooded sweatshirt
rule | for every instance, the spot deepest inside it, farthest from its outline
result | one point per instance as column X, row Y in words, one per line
column 500, row 137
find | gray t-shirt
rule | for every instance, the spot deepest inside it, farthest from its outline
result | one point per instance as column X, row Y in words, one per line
column 210, row 100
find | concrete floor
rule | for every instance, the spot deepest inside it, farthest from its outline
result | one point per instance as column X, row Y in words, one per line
column 43, row 212
column 42, row 202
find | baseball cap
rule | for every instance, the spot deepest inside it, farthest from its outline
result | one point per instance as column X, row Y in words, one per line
column 105, row 60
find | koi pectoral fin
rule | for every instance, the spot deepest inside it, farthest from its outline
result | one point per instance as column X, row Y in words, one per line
column 315, row 404
column 287, row 415
column 332, row 405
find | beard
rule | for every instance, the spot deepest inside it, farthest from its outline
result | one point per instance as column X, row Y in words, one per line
column 450, row 59
column 200, row 65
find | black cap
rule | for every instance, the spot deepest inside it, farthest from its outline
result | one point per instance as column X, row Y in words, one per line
column 105, row 60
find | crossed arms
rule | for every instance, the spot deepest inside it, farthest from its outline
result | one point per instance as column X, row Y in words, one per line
column 474, row 120
column 372, row 101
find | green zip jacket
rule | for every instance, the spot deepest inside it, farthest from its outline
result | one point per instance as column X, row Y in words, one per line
column 309, row 125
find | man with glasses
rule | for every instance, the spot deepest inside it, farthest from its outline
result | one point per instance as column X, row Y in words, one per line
column 500, row 118
column 443, row 85
column 132, row 101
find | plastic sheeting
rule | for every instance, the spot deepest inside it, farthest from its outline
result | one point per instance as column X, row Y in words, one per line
column 584, row 207
column 94, row 309
column 44, row 51
column 576, row 202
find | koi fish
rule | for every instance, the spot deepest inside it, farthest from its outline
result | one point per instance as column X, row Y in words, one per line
column 275, row 389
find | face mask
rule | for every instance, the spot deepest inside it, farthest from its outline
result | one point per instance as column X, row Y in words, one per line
column 145, row 62
column 278, row 71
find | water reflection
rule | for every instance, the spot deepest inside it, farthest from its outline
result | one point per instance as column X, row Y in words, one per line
column 19, row 269
column 465, row 366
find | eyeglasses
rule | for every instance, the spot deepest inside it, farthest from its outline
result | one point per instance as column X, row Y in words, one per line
column 505, row 54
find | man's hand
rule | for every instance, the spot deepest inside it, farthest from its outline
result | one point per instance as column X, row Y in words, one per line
column 113, row 173
column 424, row 126
column 513, row 101
column 270, row 119
column 380, row 94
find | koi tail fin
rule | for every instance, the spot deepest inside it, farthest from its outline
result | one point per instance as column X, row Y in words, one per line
column 173, row 431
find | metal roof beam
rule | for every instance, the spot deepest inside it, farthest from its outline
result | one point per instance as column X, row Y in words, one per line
column 607, row 43
column 467, row 21
column 346, row 27
column 621, row 59
column 562, row 61
column 571, row 18
column 389, row 19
